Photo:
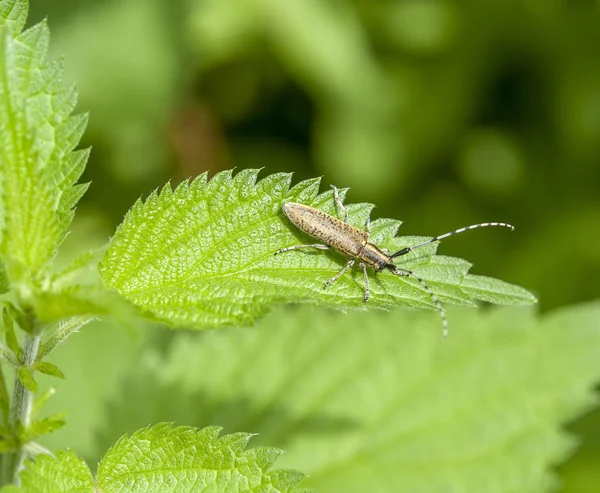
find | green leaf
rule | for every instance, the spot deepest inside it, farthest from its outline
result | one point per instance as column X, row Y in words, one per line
column 203, row 256
column 11, row 337
column 37, row 137
column 495, row 291
column 48, row 369
column 25, row 376
column 183, row 459
column 18, row 316
column 43, row 426
column 165, row 459
column 59, row 474
column 375, row 402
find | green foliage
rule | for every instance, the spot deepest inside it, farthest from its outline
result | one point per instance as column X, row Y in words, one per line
column 42, row 426
column 374, row 402
column 11, row 336
column 165, row 459
column 360, row 404
column 48, row 369
column 203, row 255
column 25, row 376
column 64, row 472
column 38, row 166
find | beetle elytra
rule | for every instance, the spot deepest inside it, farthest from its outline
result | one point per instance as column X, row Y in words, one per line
column 355, row 244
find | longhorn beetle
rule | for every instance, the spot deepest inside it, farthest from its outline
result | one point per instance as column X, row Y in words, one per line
column 354, row 243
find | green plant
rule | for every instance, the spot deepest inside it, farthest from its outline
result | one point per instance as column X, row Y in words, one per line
column 201, row 256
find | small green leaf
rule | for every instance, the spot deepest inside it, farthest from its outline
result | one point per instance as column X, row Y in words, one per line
column 64, row 472
column 190, row 460
column 18, row 316
column 38, row 171
column 26, row 378
column 11, row 337
column 203, row 256
column 48, row 369
column 43, row 426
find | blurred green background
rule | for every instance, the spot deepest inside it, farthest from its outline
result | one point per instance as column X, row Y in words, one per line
column 441, row 113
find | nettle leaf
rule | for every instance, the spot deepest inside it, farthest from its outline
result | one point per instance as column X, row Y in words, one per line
column 164, row 459
column 375, row 402
column 38, row 167
column 203, row 256
column 58, row 474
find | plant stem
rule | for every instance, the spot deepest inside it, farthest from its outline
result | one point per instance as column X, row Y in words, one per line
column 20, row 412
column 21, row 404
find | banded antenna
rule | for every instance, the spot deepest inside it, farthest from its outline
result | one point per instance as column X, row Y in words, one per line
column 406, row 250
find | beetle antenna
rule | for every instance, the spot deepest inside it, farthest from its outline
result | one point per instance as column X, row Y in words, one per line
column 432, row 295
column 406, row 250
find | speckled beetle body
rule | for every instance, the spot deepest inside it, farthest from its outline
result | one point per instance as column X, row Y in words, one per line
column 354, row 243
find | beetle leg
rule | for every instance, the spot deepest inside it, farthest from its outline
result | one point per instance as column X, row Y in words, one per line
column 338, row 202
column 318, row 246
column 367, row 292
column 436, row 301
column 339, row 274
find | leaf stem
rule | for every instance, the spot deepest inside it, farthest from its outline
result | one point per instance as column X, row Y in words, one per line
column 20, row 412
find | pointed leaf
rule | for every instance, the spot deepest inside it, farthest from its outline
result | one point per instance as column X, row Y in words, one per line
column 48, row 369
column 11, row 337
column 37, row 135
column 203, row 255
column 166, row 459
column 43, row 426
column 495, row 291
column 61, row 473
column 26, row 378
